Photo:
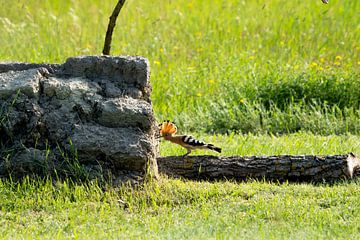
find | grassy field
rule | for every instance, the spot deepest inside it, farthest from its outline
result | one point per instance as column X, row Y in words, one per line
column 173, row 209
column 254, row 77
column 295, row 144
column 245, row 66
column 176, row 209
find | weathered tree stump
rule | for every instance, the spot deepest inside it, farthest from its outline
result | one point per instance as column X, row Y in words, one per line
column 90, row 117
column 301, row 168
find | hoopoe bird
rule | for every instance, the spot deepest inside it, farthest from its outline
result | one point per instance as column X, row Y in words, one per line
column 168, row 131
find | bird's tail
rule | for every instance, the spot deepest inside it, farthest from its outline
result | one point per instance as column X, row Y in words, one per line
column 212, row 147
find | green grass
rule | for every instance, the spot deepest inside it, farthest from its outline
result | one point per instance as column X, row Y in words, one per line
column 182, row 210
column 262, row 68
column 179, row 209
column 294, row 144
column 213, row 57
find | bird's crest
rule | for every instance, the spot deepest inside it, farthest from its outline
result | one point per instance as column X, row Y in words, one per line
column 167, row 127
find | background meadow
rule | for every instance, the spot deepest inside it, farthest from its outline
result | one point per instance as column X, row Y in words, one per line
column 254, row 77
column 216, row 66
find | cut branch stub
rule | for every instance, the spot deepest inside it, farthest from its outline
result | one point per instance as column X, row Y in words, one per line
column 280, row 168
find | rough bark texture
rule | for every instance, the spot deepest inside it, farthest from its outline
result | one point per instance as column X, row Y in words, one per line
column 278, row 168
column 94, row 109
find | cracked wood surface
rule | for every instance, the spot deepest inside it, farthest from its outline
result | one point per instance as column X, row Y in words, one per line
column 301, row 168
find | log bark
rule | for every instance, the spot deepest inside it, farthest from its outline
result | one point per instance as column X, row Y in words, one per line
column 303, row 168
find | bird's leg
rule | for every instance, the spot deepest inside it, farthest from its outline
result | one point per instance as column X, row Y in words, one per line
column 188, row 152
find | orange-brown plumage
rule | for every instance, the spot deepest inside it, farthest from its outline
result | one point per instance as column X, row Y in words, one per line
column 167, row 128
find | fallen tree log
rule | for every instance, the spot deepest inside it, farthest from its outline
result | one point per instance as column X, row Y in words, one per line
column 303, row 168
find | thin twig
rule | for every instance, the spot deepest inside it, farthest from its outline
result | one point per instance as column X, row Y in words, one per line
column 111, row 26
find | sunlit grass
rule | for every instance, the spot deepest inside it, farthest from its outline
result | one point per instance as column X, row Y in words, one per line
column 247, row 66
column 204, row 52
column 179, row 209
column 294, row 144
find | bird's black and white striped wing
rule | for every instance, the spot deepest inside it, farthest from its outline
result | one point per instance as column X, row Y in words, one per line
column 191, row 142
